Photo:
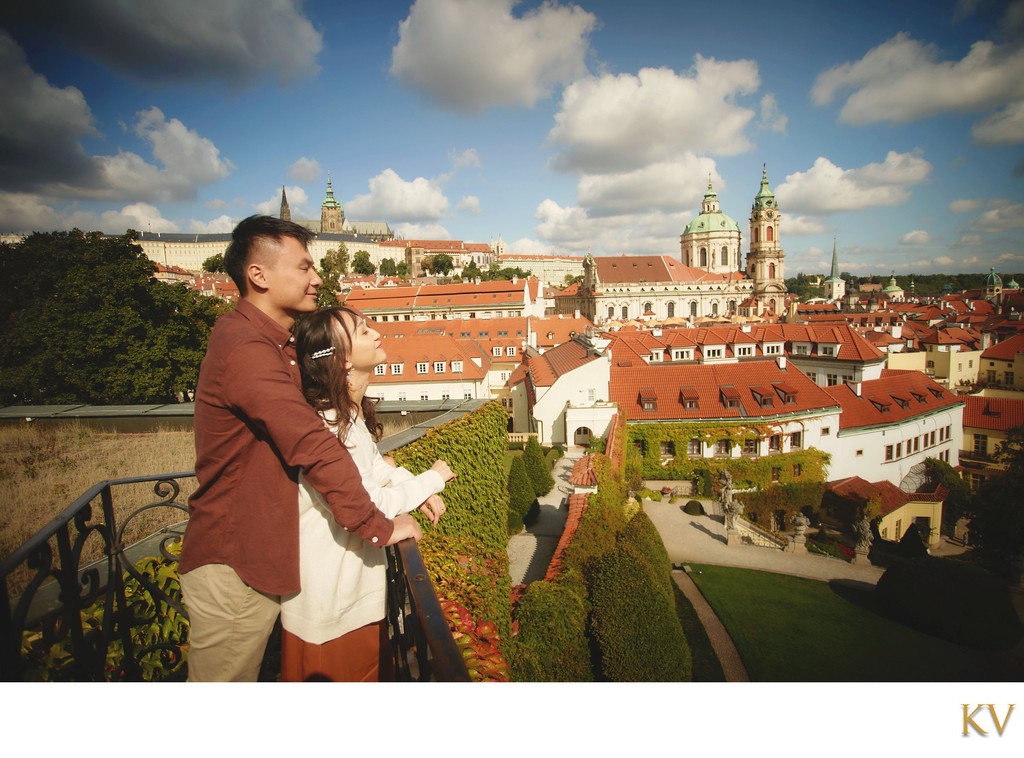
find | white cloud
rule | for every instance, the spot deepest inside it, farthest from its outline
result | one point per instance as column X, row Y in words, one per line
column 142, row 217
column 827, row 188
column 571, row 229
column 219, row 225
column 471, row 55
column 969, row 240
column 527, row 246
column 916, row 237
column 944, row 260
column 185, row 154
column 23, row 213
column 800, row 226
column 305, row 170
column 41, row 126
column 216, row 204
column 665, row 186
column 236, row 41
column 621, row 122
column 468, row 158
column 1004, row 217
column 772, row 119
column 1005, row 127
column 421, row 231
column 965, row 205
column 392, row 198
column 1010, row 257
column 470, row 204
column 902, row 80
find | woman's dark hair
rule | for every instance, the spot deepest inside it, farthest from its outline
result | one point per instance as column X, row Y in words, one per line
column 323, row 370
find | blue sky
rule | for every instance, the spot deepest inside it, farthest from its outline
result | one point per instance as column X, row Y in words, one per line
column 896, row 128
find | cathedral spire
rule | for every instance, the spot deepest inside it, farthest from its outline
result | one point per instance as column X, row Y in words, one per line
column 285, row 214
column 835, row 261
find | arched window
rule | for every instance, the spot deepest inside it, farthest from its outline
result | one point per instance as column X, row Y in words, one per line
column 625, row 312
column 703, row 257
column 771, row 270
column 671, row 309
column 757, row 234
column 693, row 308
column 732, row 306
column 770, row 233
column 714, row 309
column 611, row 311
column 725, row 256
column 648, row 308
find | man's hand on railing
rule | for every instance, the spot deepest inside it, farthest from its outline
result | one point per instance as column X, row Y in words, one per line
column 405, row 527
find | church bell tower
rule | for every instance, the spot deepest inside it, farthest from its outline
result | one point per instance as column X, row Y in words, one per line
column 766, row 259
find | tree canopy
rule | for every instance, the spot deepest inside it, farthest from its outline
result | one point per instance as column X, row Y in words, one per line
column 214, row 264
column 333, row 266
column 361, row 264
column 86, row 322
column 388, row 267
column 440, row 263
column 997, row 519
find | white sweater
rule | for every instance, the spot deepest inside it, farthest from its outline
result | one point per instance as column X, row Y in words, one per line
column 343, row 578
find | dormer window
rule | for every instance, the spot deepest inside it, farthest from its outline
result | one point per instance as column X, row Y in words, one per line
column 919, row 397
column 902, row 402
column 648, row 399
column 935, row 391
column 786, row 393
column 763, row 396
column 772, row 349
column 689, row 398
column 881, row 405
column 730, row 397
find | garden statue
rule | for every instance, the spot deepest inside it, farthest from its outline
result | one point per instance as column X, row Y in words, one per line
column 730, row 508
column 862, row 530
column 800, row 524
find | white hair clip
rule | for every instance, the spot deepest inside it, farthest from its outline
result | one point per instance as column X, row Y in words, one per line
column 322, row 353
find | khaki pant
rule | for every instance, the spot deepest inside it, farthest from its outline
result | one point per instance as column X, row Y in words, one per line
column 230, row 623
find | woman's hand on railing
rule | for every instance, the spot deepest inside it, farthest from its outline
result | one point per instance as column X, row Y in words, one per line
column 444, row 470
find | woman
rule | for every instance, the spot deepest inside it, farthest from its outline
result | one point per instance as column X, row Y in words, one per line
column 333, row 627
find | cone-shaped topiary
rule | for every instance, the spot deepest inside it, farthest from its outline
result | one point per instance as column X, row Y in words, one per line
column 520, row 492
column 537, row 468
column 551, row 645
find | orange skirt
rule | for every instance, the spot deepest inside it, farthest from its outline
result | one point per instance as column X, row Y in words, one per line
column 352, row 657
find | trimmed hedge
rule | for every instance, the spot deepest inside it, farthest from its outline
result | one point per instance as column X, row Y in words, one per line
column 641, row 538
column 551, row 645
column 636, row 630
column 952, row 600
column 537, row 469
column 520, row 495
column 694, row 508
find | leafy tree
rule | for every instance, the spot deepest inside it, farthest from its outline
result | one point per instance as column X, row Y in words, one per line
column 471, row 271
column 361, row 263
column 333, row 266
column 214, row 264
column 97, row 328
column 537, row 468
column 570, row 279
column 388, row 267
column 997, row 518
column 441, row 263
column 402, row 269
column 959, row 501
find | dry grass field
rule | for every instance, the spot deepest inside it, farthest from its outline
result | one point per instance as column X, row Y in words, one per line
column 44, row 468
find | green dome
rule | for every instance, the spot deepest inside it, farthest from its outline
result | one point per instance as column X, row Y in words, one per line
column 711, row 218
column 1012, row 284
column 893, row 287
column 993, row 279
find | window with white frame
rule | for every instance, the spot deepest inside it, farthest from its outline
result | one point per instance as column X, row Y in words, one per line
column 772, row 349
column 438, row 367
column 496, row 351
column 380, row 370
column 396, row 369
column 510, row 350
column 421, row 368
column 456, row 367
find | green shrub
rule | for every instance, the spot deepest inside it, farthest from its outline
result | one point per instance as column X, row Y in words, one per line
column 520, row 491
column 552, row 644
column 641, row 538
column 537, row 469
column 694, row 508
column 950, row 599
column 634, row 626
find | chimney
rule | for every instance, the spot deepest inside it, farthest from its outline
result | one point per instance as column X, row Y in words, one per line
column 781, row 360
column 856, row 387
column 576, row 313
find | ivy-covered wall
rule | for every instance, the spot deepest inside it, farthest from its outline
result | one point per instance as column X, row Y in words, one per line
column 465, row 553
column 804, row 465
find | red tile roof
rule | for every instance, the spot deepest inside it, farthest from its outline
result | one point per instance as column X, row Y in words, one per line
column 880, row 400
column 889, row 495
column 546, row 368
column 427, row 349
column 994, row 413
column 713, row 384
column 623, row 269
column 1006, row 350
column 577, row 505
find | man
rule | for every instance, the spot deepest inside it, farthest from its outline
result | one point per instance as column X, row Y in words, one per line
column 254, row 433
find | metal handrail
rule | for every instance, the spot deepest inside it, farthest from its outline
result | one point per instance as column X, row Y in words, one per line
column 84, row 610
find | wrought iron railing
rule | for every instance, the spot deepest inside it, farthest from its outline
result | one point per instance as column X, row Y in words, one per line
column 121, row 617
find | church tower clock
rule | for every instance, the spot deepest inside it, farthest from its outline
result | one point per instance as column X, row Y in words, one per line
column 766, row 259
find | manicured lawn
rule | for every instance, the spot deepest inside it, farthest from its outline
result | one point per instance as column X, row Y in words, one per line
column 789, row 629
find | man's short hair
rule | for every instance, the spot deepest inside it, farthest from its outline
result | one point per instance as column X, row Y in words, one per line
column 249, row 235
